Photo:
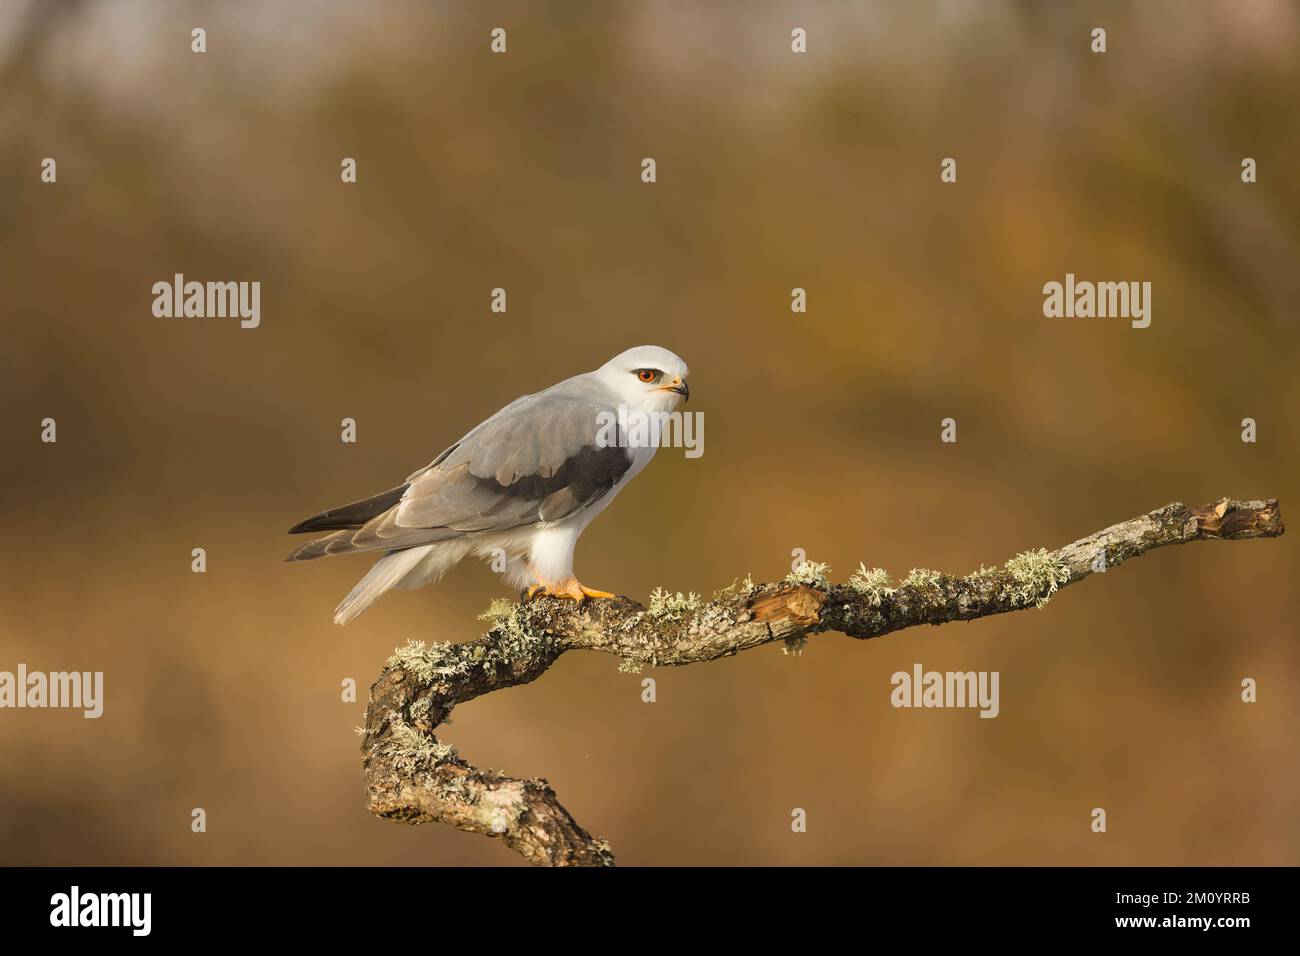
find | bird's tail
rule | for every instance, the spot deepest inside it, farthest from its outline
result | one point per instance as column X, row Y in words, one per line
column 408, row 568
column 386, row 574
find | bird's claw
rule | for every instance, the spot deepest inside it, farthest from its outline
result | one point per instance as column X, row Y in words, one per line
column 572, row 590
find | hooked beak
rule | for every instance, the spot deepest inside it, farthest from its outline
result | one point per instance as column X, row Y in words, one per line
column 681, row 388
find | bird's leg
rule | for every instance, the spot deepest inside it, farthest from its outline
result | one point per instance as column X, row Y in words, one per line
column 571, row 589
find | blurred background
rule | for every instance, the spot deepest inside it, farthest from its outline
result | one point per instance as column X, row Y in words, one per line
column 775, row 170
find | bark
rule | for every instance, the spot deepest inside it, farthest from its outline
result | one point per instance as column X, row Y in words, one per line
column 412, row 777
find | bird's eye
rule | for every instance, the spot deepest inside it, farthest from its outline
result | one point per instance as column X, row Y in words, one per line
column 646, row 375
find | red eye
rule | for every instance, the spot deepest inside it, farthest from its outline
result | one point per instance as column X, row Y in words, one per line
column 646, row 375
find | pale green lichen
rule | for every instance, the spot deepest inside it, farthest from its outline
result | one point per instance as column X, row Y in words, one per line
column 517, row 631
column 921, row 578
column 719, row 615
column 424, row 662
column 665, row 606
column 1035, row 577
column 873, row 584
column 507, row 617
column 630, row 623
column 420, row 709
column 411, row 751
column 629, row 666
column 499, row 611
column 737, row 589
column 458, row 787
column 815, row 574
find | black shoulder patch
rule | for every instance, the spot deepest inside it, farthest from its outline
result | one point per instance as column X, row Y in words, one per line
column 589, row 474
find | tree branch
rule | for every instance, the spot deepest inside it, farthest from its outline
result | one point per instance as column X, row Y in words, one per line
column 412, row 777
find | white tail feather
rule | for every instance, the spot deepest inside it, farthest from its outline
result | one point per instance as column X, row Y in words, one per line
column 387, row 573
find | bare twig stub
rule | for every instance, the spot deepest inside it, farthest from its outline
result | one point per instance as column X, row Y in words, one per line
column 412, row 777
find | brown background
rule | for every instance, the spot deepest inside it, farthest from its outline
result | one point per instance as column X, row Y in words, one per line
column 775, row 171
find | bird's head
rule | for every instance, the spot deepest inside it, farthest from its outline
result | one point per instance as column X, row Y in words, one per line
column 647, row 378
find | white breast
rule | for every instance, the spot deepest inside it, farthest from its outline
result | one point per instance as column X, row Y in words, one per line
column 550, row 557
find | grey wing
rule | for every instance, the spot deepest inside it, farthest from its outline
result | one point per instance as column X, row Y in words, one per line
column 541, row 458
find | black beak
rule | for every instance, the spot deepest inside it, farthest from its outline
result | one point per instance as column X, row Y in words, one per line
column 683, row 390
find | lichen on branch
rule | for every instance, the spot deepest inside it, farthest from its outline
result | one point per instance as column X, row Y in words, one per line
column 411, row 776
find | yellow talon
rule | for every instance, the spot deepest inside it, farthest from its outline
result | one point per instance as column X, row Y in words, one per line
column 571, row 590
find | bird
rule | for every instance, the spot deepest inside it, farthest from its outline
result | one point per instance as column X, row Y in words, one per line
column 523, row 484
